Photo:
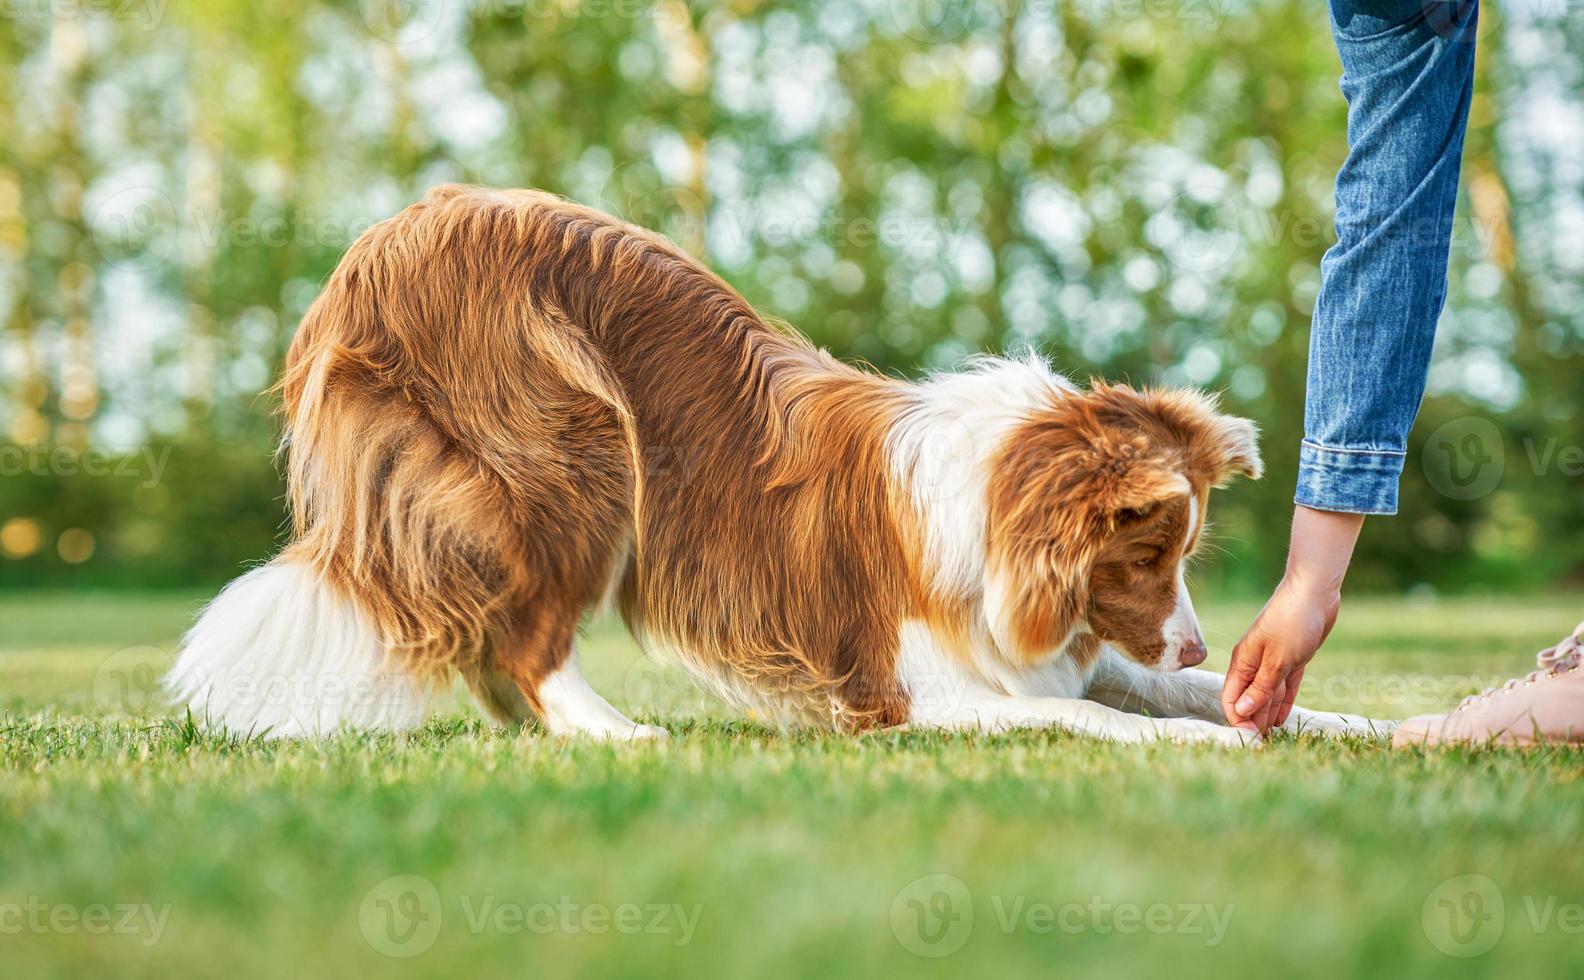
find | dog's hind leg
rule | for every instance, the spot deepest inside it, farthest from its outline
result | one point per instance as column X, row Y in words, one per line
column 499, row 696
column 570, row 706
column 539, row 663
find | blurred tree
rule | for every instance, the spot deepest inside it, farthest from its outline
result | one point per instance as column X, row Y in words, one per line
column 1136, row 192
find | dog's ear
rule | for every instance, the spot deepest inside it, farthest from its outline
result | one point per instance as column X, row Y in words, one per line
column 1216, row 447
column 1231, row 447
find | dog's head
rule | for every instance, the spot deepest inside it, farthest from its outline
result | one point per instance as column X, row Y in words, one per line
column 1095, row 504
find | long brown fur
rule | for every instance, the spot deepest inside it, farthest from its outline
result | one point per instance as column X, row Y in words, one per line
column 503, row 406
column 492, row 388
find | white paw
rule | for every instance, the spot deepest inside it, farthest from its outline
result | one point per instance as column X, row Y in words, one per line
column 1236, row 738
column 1331, row 724
column 1194, row 730
column 629, row 732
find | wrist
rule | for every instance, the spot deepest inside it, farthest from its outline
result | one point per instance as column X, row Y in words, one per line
column 1320, row 552
column 1322, row 589
column 1315, row 578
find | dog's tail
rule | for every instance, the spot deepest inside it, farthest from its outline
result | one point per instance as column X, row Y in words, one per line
column 280, row 654
column 401, row 573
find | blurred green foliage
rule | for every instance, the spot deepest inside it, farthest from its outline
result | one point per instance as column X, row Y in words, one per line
column 1136, row 190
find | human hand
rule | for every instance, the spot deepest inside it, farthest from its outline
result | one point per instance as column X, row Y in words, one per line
column 1268, row 663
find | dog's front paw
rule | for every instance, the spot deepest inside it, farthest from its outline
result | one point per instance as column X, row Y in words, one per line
column 1193, row 730
column 1236, row 737
column 1331, row 724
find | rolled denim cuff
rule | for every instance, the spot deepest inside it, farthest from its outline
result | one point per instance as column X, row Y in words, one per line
column 1349, row 481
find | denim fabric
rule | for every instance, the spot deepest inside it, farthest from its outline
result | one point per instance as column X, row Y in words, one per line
column 1407, row 75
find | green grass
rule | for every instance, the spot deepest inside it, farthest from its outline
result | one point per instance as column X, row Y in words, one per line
column 786, row 853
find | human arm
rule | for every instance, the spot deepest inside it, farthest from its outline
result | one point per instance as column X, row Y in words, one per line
column 1408, row 72
column 1268, row 663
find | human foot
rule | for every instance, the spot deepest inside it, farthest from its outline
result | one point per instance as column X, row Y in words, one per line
column 1545, row 707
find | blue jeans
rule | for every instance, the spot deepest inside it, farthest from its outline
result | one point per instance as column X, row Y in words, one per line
column 1407, row 75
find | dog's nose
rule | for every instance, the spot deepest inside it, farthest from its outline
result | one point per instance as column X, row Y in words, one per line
column 1192, row 655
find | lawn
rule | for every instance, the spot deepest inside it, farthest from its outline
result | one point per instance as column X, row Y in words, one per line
column 132, row 844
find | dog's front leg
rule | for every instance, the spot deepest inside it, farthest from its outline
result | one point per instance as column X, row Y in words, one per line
column 1128, row 686
column 1334, row 723
column 944, row 695
column 999, row 713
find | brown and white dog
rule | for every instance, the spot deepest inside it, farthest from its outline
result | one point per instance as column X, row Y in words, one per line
column 505, row 408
